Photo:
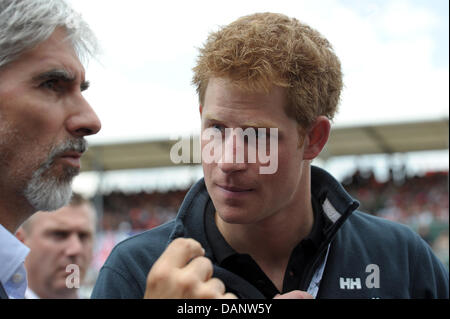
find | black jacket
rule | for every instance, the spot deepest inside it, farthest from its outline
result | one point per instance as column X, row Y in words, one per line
column 369, row 257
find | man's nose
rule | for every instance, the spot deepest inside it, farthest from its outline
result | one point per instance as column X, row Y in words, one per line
column 83, row 121
column 233, row 155
column 74, row 245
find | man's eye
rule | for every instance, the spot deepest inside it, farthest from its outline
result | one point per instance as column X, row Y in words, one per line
column 59, row 235
column 218, row 127
column 84, row 236
column 53, row 85
column 263, row 134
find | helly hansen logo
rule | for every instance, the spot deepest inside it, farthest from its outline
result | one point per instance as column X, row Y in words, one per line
column 350, row 283
column 372, row 279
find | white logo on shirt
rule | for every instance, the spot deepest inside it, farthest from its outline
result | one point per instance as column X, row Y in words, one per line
column 372, row 279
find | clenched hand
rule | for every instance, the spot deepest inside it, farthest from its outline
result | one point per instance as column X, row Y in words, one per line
column 182, row 272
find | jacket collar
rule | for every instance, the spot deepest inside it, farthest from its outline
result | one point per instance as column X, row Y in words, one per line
column 336, row 203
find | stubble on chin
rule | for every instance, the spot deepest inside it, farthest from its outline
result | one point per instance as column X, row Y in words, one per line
column 49, row 190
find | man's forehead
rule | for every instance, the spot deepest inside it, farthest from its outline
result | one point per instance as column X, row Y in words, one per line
column 55, row 53
column 66, row 217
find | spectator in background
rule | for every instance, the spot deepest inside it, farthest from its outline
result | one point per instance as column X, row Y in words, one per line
column 56, row 240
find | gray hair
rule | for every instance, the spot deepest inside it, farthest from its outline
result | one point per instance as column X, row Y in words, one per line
column 26, row 23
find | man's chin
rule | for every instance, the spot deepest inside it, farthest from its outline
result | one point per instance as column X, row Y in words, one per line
column 48, row 195
column 50, row 186
column 234, row 215
column 61, row 291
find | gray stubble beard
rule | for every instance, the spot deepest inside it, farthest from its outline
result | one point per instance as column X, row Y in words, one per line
column 49, row 193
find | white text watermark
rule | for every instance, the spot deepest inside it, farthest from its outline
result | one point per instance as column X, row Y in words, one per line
column 73, row 279
column 232, row 145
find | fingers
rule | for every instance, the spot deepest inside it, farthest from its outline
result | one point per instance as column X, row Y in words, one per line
column 228, row 295
column 213, row 288
column 200, row 267
column 165, row 279
column 180, row 252
column 295, row 294
column 183, row 272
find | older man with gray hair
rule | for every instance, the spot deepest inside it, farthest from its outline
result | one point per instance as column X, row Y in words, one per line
column 43, row 119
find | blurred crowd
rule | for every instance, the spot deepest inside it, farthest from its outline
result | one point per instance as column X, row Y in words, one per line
column 138, row 212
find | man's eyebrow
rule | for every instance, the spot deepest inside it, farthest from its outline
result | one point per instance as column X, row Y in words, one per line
column 58, row 74
column 245, row 124
column 259, row 124
column 62, row 75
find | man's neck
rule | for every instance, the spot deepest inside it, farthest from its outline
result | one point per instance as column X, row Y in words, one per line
column 14, row 212
column 273, row 238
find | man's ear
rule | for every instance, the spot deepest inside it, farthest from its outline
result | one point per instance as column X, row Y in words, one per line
column 317, row 137
column 20, row 234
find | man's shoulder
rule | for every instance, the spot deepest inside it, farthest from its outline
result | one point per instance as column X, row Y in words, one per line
column 367, row 225
column 372, row 257
column 147, row 243
column 392, row 243
column 375, row 236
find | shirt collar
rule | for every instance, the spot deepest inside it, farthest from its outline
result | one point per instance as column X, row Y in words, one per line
column 30, row 294
column 222, row 250
column 12, row 254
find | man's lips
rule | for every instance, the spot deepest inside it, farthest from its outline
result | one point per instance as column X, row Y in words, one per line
column 233, row 191
column 72, row 158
